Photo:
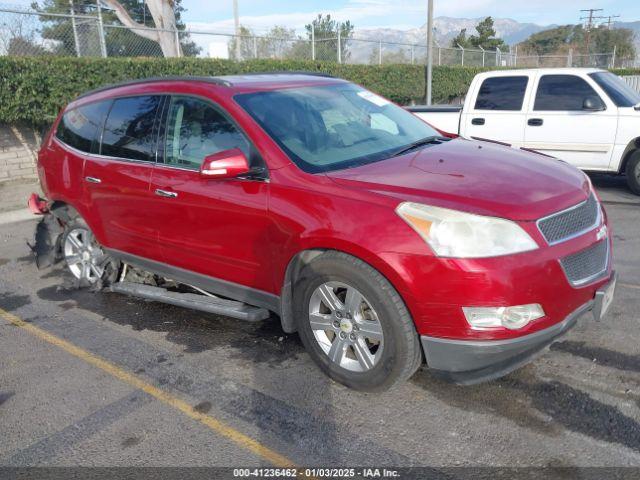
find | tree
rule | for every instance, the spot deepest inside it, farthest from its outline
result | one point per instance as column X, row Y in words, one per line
column 460, row 40
column 246, row 40
column 486, row 37
column 559, row 40
column 279, row 42
column 604, row 40
column 553, row 41
column 164, row 20
column 18, row 38
column 24, row 47
column 324, row 31
column 132, row 41
column 395, row 56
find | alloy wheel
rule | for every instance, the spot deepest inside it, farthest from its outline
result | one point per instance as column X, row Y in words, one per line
column 346, row 326
column 83, row 255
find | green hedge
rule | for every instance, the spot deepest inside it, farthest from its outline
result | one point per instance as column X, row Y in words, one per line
column 33, row 89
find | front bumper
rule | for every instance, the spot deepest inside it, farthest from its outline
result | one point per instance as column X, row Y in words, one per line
column 467, row 362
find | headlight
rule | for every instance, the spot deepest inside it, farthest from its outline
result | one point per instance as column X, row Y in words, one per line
column 451, row 233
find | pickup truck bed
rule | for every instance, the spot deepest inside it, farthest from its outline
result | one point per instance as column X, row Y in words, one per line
column 444, row 117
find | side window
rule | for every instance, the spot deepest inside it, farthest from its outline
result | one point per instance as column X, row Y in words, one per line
column 80, row 127
column 128, row 131
column 562, row 92
column 502, row 93
column 195, row 129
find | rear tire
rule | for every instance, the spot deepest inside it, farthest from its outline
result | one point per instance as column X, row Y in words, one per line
column 633, row 173
column 87, row 262
column 366, row 339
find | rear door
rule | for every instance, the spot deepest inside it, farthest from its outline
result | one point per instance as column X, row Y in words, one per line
column 559, row 125
column 117, row 178
column 215, row 227
column 498, row 110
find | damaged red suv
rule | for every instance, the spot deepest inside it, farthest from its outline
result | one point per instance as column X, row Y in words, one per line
column 383, row 243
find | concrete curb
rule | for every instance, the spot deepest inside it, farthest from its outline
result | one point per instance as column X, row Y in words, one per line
column 16, row 216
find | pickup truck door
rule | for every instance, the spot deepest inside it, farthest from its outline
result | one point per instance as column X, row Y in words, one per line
column 217, row 228
column 570, row 120
column 496, row 109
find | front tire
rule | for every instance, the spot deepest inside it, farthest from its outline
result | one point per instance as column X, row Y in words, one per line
column 354, row 324
column 633, row 173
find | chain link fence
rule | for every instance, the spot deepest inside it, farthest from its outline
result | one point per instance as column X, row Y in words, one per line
column 95, row 33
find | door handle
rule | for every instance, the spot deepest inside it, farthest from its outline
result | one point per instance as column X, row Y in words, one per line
column 93, row 180
column 477, row 121
column 166, row 194
column 535, row 122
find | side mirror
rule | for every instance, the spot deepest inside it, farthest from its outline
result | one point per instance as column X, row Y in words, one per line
column 592, row 103
column 225, row 164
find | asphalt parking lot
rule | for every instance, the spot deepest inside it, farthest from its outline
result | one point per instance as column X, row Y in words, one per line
column 100, row 379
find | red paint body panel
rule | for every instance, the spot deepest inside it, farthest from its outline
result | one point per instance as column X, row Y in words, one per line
column 247, row 231
column 217, row 227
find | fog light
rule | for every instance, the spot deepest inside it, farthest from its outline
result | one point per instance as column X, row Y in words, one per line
column 513, row 318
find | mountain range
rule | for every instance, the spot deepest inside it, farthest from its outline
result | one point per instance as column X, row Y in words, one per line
column 446, row 28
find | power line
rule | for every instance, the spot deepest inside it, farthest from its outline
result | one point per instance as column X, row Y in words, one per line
column 608, row 22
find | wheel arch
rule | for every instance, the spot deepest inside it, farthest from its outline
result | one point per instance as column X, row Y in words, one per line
column 632, row 148
column 303, row 257
column 63, row 210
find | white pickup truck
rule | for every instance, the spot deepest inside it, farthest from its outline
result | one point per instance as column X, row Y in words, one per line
column 588, row 117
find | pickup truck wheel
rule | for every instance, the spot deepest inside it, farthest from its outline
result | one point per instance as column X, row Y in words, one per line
column 84, row 257
column 354, row 324
column 633, row 173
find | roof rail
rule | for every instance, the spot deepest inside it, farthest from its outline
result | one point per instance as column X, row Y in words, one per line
column 170, row 78
column 311, row 73
column 223, row 80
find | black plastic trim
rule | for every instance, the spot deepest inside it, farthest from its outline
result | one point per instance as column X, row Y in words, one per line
column 467, row 362
column 235, row 291
column 434, row 109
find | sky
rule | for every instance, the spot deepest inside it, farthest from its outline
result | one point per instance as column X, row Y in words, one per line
column 260, row 15
column 399, row 14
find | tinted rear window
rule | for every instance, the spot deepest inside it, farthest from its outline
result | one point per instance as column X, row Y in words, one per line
column 562, row 92
column 502, row 93
column 129, row 130
column 79, row 127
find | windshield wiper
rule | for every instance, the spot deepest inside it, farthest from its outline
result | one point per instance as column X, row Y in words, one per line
column 419, row 143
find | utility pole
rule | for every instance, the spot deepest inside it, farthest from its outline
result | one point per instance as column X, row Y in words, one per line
column 236, row 21
column 429, row 48
column 588, row 19
column 608, row 22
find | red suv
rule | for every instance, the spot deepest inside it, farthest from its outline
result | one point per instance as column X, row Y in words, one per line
column 376, row 238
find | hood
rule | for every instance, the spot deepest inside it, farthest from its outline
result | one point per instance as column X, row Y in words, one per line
column 473, row 176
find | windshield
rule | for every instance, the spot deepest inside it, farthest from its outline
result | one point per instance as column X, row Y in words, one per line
column 620, row 93
column 326, row 128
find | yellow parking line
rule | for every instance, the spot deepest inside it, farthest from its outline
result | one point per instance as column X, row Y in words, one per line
column 217, row 426
column 630, row 285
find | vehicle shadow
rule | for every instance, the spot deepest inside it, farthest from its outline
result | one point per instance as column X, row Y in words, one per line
column 546, row 407
column 613, row 188
column 260, row 347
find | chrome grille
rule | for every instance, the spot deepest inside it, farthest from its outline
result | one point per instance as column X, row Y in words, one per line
column 587, row 265
column 571, row 222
